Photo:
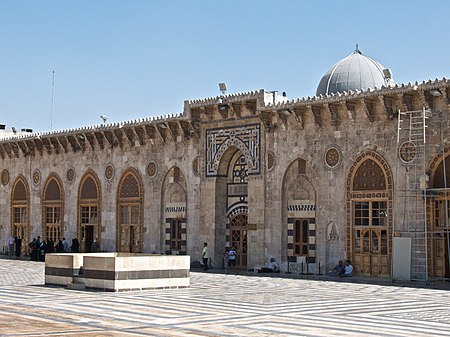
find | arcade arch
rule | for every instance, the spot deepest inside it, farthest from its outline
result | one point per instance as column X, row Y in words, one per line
column 20, row 213
column 129, row 214
column 53, row 209
column 89, row 211
column 369, row 215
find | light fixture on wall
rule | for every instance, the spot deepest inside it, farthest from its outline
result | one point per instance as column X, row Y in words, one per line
column 223, row 88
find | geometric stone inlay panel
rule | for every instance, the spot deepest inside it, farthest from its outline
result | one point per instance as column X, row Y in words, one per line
column 109, row 171
column 195, row 166
column 152, row 169
column 70, row 174
column 36, row 177
column 369, row 176
column 245, row 138
column 5, row 177
column 332, row 158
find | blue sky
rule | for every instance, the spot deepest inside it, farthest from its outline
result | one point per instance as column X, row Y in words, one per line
column 134, row 59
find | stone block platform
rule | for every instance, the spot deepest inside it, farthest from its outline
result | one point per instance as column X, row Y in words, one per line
column 117, row 271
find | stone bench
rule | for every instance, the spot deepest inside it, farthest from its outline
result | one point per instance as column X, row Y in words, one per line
column 117, row 271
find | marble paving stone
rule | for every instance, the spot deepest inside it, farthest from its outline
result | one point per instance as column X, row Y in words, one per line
column 219, row 305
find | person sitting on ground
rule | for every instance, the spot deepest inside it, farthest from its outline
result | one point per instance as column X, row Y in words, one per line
column 337, row 269
column 271, row 267
column 347, row 270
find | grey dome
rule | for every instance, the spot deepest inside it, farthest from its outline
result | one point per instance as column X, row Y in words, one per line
column 355, row 72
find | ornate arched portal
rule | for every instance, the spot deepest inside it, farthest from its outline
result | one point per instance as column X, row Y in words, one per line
column 52, row 209
column 237, row 207
column 89, row 211
column 369, row 215
column 174, row 212
column 438, row 202
column 20, row 213
column 129, row 216
column 299, row 200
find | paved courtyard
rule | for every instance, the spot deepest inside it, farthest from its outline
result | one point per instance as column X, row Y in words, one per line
column 219, row 305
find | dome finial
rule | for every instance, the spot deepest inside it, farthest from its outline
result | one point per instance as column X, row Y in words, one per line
column 357, row 50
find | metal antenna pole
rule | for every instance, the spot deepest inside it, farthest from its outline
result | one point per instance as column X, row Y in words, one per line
column 51, row 106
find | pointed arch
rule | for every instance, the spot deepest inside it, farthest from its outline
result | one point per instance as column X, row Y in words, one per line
column 53, row 208
column 369, row 214
column 299, row 215
column 89, row 211
column 129, row 212
column 237, row 144
column 438, row 203
column 20, row 212
column 174, row 212
column 231, row 201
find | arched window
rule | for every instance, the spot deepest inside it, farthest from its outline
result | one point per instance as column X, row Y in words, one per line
column 130, row 213
column 20, row 219
column 52, row 210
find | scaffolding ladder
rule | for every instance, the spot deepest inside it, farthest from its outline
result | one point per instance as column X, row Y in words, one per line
column 411, row 185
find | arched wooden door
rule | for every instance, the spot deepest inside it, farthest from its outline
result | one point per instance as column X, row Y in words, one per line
column 89, row 212
column 129, row 214
column 438, row 202
column 238, row 238
column 369, row 210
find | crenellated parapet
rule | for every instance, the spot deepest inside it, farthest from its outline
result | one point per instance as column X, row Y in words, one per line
column 272, row 109
column 375, row 104
column 233, row 106
column 130, row 133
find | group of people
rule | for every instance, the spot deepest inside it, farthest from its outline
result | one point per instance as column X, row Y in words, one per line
column 38, row 248
column 230, row 254
column 14, row 242
column 342, row 270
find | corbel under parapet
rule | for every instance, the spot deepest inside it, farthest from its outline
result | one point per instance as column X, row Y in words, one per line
column 368, row 108
column 118, row 134
column 351, row 110
column 139, row 134
column 299, row 117
column 333, row 110
column 317, row 113
column 237, row 108
column 100, row 137
column 56, row 144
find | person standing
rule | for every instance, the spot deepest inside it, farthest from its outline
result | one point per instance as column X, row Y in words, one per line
column 10, row 245
column 205, row 256
column 226, row 260
column 18, row 242
column 232, row 257
column 33, row 250
column 65, row 246
column 94, row 246
column 75, row 246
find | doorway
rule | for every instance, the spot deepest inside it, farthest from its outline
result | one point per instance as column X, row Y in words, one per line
column 88, row 237
column 238, row 231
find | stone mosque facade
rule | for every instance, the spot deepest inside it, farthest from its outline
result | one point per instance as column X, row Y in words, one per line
column 308, row 181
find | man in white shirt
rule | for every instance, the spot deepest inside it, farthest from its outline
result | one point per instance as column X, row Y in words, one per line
column 205, row 256
column 348, row 269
